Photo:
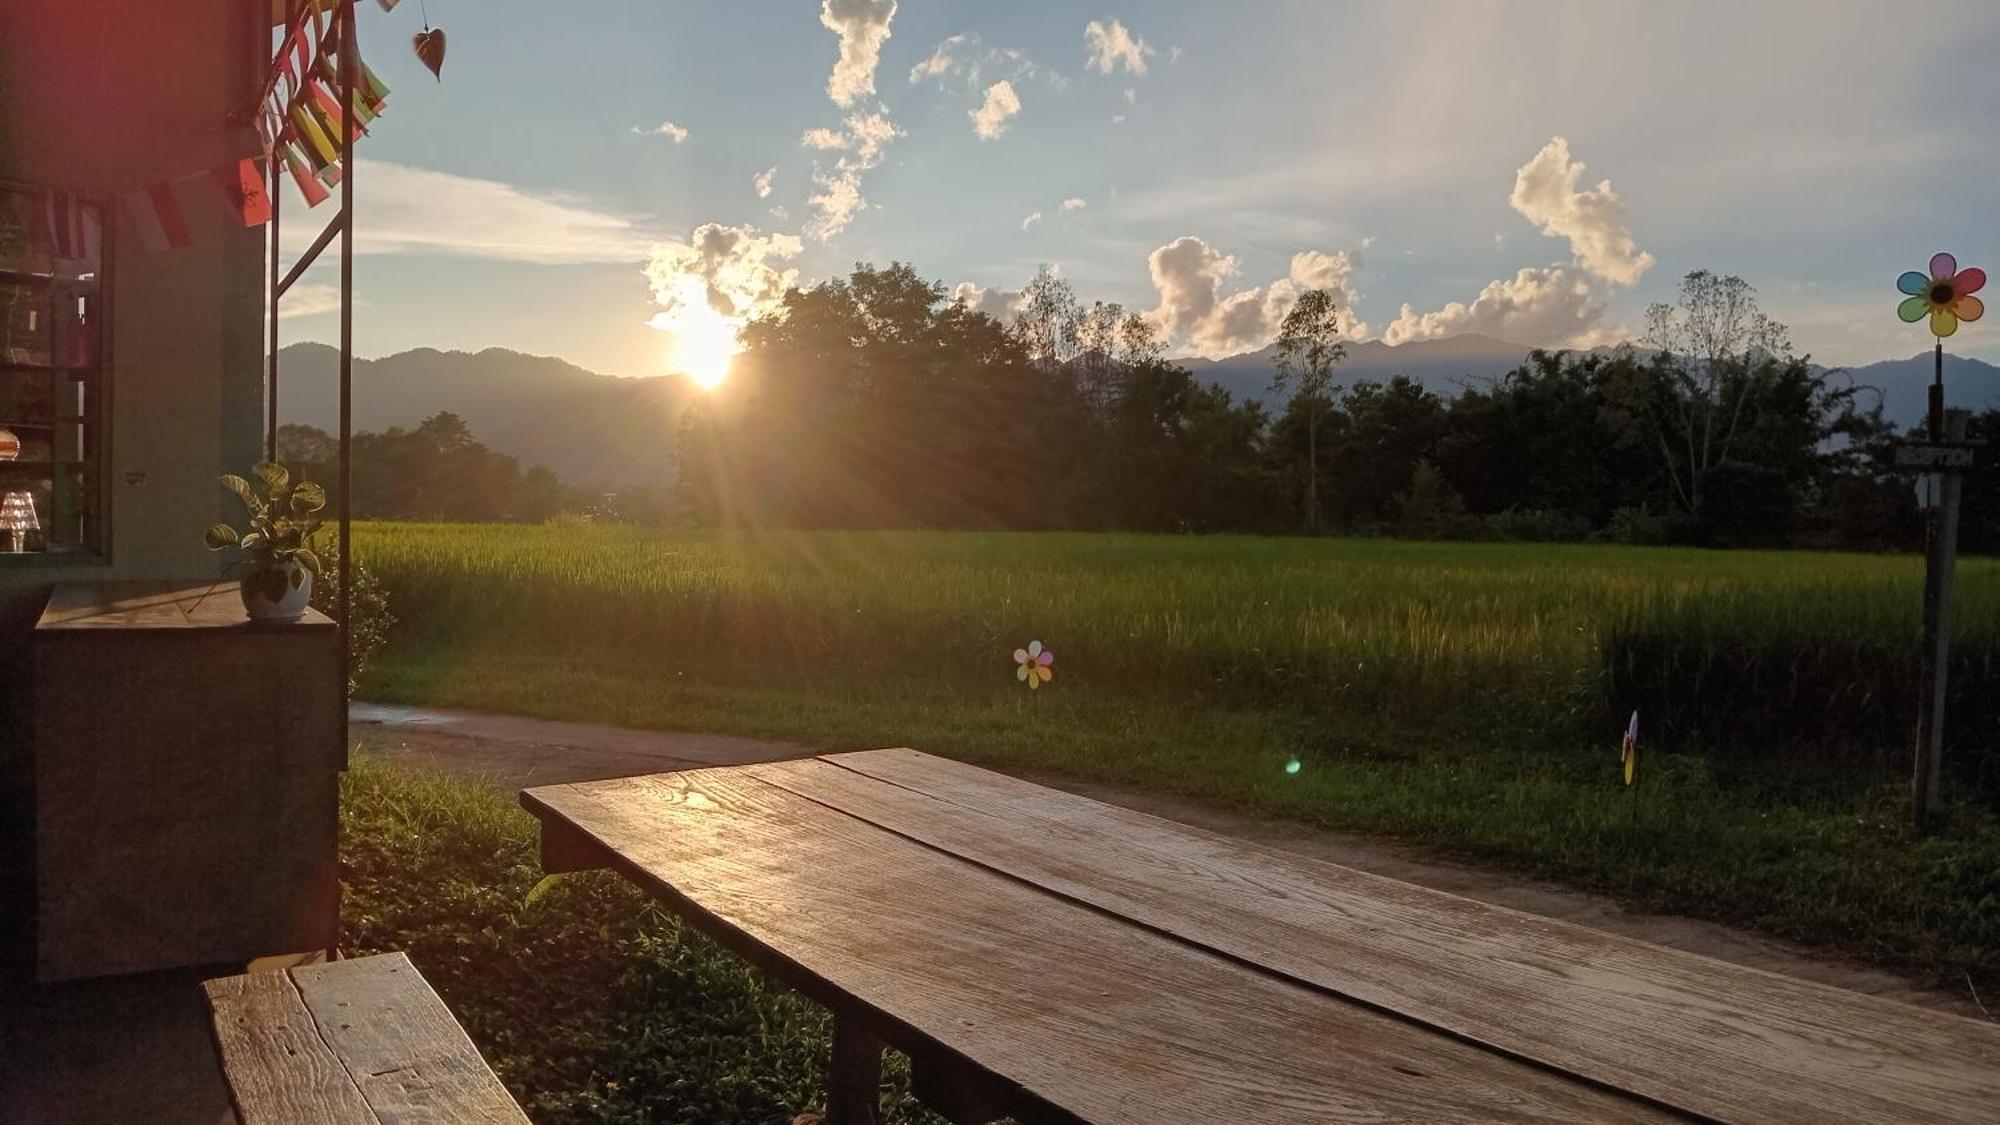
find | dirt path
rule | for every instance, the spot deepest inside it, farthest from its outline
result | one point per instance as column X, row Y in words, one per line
column 511, row 752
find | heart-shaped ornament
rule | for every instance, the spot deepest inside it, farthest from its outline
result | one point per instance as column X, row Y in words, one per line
column 430, row 50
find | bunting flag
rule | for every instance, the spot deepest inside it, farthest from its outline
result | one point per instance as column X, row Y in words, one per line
column 73, row 229
column 317, row 144
column 315, row 193
column 157, row 214
column 243, row 193
column 331, row 118
column 387, row 5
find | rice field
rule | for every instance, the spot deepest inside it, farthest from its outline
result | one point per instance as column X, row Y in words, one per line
column 1736, row 654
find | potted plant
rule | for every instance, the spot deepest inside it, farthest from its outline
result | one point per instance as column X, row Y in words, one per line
column 277, row 548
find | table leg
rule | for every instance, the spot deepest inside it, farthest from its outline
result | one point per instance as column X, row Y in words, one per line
column 854, row 1079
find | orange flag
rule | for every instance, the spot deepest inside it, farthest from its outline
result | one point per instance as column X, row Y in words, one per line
column 242, row 184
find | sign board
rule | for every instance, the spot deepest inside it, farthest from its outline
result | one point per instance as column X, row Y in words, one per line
column 1921, row 455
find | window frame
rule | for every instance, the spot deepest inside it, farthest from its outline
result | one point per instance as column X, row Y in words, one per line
column 94, row 422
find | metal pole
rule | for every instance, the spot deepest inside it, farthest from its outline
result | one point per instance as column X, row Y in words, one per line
column 271, row 187
column 349, row 54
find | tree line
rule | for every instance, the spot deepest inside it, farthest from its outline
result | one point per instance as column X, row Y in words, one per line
column 877, row 401
column 437, row 471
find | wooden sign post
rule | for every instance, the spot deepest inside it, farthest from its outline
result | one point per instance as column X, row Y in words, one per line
column 1946, row 456
column 1942, row 295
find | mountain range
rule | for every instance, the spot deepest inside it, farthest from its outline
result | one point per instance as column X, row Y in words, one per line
column 591, row 429
column 606, row 431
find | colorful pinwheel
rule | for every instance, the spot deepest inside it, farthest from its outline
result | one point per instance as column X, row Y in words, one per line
column 1034, row 664
column 1946, row 294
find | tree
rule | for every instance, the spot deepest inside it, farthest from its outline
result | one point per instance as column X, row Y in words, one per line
column 1717, row 356
column 1308, row 348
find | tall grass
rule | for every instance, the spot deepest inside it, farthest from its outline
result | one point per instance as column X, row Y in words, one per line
column 1745, row 654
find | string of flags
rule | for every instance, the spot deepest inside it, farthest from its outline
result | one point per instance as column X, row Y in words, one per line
column 301, row 124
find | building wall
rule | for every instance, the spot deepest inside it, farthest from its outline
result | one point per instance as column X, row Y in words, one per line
column 105, row 97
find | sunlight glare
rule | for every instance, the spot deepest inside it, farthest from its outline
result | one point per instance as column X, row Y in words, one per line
column 704, row 349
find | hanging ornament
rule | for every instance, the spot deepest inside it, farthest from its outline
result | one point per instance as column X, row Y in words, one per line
column 429, row 44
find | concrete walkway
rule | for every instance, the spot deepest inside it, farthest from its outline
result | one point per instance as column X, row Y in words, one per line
column 511, row 752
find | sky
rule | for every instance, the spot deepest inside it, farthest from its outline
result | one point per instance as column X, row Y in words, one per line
column 623, row 182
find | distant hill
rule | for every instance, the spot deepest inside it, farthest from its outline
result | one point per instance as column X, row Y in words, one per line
column 1444, row 365
column 1969, row 383
column 591, row 429
column 1447, row 365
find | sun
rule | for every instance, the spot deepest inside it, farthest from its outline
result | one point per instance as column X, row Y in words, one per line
column 704, row 350
column 705, row 353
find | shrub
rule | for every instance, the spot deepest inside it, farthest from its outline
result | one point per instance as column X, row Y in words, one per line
column 1523, row 525
column 372, row 619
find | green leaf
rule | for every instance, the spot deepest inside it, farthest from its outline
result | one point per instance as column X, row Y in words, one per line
column 274, row 476
column 253, row 541
column 219, row 536
column 307, row 498
column 243, row 492
column 310, row 561
column 542, row 886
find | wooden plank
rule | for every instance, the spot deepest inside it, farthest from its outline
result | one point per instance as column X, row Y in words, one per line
column 278, row 1069
column 409, row 1057
column 1089, row 1017
column 153, row 606
column 1712, row 1038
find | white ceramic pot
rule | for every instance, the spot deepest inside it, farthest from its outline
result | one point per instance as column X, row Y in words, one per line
column 292, row 583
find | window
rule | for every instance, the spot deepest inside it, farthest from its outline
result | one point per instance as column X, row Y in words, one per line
column 54, row 283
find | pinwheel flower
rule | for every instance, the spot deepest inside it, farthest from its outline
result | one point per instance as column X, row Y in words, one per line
column 1628, row 750
column 1034, row 664
column 1946, row 294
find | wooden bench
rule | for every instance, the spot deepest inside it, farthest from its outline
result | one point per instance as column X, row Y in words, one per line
column 362, row 1040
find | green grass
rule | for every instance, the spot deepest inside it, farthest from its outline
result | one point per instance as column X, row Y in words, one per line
column 590, row 1002
column 1464, row 697
column 1747, row 655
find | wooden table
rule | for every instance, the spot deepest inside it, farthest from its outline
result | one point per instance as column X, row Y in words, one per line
column 1053, row 958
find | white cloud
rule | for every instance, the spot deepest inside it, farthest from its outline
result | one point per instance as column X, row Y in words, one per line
column 1547, row 306
column 1111, row 46
column 665, row 129
column 1000, row 304
column 419, row 211
column 949, row 56
column 862, row 142
column 966, row 58
column 1175, row 52
column 863, row 26
column 1594, row 222
column 1118, row 119
column 707, row 288
column 991, row 118
column 311, row 299
column 1131, row 95
column 1194, row 312
column 1074, row 203
column 1034, row 219
column 762, row 181
column 781, row 213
